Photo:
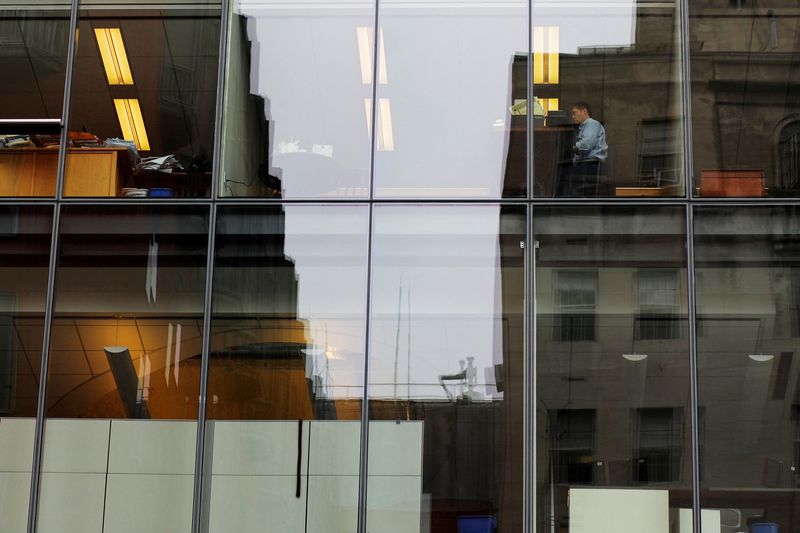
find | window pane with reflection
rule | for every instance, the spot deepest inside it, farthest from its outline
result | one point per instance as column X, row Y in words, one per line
column 124, row 371
column 747, row 263
column 446, row 368
column 286, row 368
column 608, row 113
column 745, row 59
column 144, row 89
column 24, row 260
column 613, row 434
column 33, row 62
column 451, row 100
column 299, row 78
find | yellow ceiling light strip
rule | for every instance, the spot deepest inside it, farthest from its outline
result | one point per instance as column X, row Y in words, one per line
column 364, row 36
column 552, row 55
column 131, row 121
column 115, row 60
column 545, row 54
column 385, row 132
column 364, row 55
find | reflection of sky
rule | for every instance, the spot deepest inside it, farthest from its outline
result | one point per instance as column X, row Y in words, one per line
column 589, row 23
column 435, row 295
column 435, row 285
column 329, row 249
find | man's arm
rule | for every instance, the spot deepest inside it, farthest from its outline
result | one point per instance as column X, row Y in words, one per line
column 588, row 137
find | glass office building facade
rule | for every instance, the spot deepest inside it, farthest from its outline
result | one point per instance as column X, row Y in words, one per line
column 369, row 266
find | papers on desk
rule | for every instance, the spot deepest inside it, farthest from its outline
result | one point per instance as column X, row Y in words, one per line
column 165, row 164
column 14, row 141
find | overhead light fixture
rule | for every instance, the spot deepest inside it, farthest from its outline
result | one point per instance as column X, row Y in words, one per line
column 364, row 35
column 545, row 54
column 115, row 60
column 761, row 357
column 131, row 121
column 635, row 357
column 385, row 132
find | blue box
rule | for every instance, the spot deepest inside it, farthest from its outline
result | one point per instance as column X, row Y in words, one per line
column 476, row 524
column 764, row 527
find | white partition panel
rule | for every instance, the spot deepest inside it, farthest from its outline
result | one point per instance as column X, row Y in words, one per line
column 618, row 511
column 144, row 502
column 71, row 502
column 256, row 447
column 267, row 504
column 152, row 446
column 16, row 458
column 395, row 504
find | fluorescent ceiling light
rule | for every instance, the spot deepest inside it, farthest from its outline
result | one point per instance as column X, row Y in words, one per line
column 131, row 121
column 115, row 60
column 385, row 131
column 635, row 357
column 364, row 35
column 545, row 54
column 761, row 357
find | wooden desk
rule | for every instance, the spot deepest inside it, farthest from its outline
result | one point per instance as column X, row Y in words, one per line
column 89, row 171
column 552, row 146
column 672, row 190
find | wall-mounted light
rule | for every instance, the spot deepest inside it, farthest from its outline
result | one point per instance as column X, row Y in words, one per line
column 115, row 60
column 131, row 121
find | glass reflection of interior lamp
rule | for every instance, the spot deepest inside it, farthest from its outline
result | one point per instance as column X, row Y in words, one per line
column 129, row 114
column 115, row 59
column 126, row 379
column 546, row 54
column 758, row 355
column 635, row 357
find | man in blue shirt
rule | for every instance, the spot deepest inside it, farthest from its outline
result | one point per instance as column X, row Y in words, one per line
column 588, row 154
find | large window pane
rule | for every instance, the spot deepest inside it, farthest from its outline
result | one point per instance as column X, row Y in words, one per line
column 124, row 370
column 446, row 376
column 614, row 68
column 33, row 40
column 24, row 258
column 450, row 114
column 748, row 312
column 612, row 350
column 299, row 77
column 746, row 110
column 143, row 99
column 286, row 370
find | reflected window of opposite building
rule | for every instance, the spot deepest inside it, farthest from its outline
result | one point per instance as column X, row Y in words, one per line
column 573, row 440
column 659, row 305
column 657, row 444
column 576, row 301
